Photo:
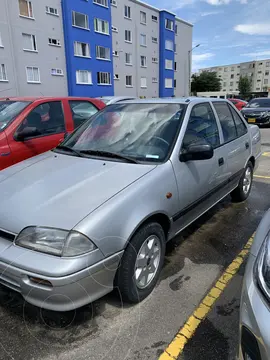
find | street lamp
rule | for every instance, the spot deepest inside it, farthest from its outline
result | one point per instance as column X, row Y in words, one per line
column 189, row 67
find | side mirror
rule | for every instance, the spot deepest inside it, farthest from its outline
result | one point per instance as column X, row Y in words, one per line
column 197, row 152
column 27, row 132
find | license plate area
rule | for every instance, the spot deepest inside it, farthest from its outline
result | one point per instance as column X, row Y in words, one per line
column 251, row 120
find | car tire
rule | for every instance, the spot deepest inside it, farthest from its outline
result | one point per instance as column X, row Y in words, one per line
column 241, row 193
column 131, row 282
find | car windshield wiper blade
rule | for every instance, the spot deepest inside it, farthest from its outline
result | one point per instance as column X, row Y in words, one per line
column 109, row 154
column 66, row 148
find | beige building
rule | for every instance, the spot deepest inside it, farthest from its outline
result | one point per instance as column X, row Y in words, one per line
column 257, row 71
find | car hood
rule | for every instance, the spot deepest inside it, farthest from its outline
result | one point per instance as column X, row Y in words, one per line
column 60, row 190
column 250, row 111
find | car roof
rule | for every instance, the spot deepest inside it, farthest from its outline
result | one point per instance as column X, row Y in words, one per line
column 182, row 100
column 35, row 98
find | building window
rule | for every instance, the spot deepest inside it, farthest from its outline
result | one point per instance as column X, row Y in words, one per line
column 168, row 64
column 32, row 74
column 175, row 66
column 232, row 76
column 80, row 20
column 116, row 76
column 231, row 83
column 169, row 45
column 29, row 42
column 259, row 72
column 26, row 8
column 225, row 69
column 103, row 53
column 154, row 18
column 175, row 48
column 174, row 83
column 168, row 83
column 115, row 53
column 101, row 2
column 128, row 58
column 232, row 68
column 143, row 61
column 54, row 42
column 3, row 73
column 169, row 24
column 224, row 84
column 154, row 59
column 1, row 43
column 52, row 11
column 176, row 29
column 143, row 40
column 143, row 17
column 114, row 29
column 268, row 64
column 154, row 80
column 127, row 12
column 266, row 72
column 128, row 37
column 143, row 82
column 104, row 78
column 114, row 3
column 81, row 49
column 265, row 81
column 102, row 26
column 128, row 80
column 57, row 72
column 83, row 77
column 154, row 40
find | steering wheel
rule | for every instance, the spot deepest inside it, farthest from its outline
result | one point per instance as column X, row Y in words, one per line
column 162, row 140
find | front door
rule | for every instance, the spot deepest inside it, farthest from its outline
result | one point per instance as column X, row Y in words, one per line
column 48, row 121
column 199, row 182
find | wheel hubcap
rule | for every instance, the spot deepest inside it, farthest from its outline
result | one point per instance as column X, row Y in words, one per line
column 247, row 180
column 147, row 261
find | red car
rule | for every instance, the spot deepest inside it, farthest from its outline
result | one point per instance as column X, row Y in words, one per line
column 30, row 126
column 239, row 104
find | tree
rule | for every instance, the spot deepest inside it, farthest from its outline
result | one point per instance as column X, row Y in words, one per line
column 206, row 81
column 244, row 85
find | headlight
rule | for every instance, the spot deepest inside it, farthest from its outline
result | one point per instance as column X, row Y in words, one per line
column 265, row 114
column 263, row 267
column 54, row 241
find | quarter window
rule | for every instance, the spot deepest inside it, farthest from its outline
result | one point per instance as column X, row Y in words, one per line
column 202, row 125
column 81, row 111
column 226, row 121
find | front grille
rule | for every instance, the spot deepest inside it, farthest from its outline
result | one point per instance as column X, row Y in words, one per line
column 249, row 345
column 7, row 235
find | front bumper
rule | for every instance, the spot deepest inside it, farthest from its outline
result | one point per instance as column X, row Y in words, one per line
column 67, row 292
column 258, row 120
column 254, row 319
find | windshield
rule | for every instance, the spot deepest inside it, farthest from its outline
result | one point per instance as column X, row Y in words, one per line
column 256, row 103
column 9, row 110
column 143, row 132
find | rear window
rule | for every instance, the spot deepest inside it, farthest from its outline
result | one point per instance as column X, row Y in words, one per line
column 256, row 103
column 9, row 110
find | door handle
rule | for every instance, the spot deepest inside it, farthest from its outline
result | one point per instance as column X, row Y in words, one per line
column 247, row 145
column 220, row 161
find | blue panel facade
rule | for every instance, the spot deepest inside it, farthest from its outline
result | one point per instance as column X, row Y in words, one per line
column 92, row 64
column 165, row 34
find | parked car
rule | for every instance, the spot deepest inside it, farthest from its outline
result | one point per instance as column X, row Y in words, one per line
column 257, row 111
column 97, row 211
column 254, row 310
column 238, row 103
column 30, row 126
column 108, row 100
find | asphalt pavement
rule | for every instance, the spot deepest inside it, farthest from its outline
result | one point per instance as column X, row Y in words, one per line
column 109, row 329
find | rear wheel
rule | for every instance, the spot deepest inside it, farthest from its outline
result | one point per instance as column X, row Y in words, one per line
column 141, row 263
column 241, row 193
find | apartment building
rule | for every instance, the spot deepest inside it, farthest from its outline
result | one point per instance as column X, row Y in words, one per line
column 32, row 53
column 257, row 71
column 92, row 48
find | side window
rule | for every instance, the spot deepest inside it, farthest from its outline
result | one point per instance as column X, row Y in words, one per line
column 47, row 119
column 202, row 125
column 239, row 123
column 81, row 111
column 226, row 121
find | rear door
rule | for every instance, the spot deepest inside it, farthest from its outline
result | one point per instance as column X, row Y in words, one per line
column 236, row 140
column 81, row 111
column 48, row 119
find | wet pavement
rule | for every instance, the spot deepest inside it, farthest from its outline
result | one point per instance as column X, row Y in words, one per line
column 109, row 329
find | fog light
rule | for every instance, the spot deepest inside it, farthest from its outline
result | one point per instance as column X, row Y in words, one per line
column 40, row 281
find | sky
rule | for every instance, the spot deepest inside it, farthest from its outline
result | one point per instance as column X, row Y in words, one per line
column 228, row 31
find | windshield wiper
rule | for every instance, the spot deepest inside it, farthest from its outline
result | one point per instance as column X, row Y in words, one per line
column 109, row 154
column 66, row 148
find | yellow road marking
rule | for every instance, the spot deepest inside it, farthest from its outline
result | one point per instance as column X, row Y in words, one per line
column 176, row 347
column 266, row 153
column 262, row 177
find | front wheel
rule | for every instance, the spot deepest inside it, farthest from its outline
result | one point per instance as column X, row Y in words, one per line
column 241, row 193
column 141, row 263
